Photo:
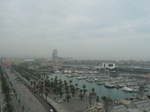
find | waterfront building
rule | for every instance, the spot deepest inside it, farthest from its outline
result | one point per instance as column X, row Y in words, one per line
column 108, row 65
column 137, row 70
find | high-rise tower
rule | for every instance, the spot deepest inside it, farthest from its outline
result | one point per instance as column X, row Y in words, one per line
column 54, row 55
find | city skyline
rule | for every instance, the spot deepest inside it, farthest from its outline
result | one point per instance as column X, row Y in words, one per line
column 94, row 30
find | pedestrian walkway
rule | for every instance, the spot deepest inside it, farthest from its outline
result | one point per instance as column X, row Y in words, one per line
column 57, row 106
column 75, row 104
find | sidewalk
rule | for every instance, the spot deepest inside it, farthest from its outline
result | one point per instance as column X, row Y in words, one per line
column 57, row 106
column 74, row 104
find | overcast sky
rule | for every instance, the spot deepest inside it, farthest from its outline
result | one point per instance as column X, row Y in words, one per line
column 82, row 29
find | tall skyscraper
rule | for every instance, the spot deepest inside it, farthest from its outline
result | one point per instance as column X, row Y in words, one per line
column 54, row 55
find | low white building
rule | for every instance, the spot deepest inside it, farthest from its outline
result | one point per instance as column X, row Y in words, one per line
column 108, row 65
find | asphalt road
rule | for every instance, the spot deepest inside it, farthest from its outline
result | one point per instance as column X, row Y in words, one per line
column 27, row 99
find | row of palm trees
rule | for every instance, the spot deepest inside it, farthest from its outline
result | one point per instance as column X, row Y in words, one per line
column 40, row 82
column 30, row 75
column 6, row 91
column 8, row 107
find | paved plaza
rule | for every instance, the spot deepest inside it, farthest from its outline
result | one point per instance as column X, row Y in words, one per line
column 75, row 104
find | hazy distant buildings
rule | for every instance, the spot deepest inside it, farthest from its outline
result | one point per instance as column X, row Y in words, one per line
column 28, row 60
column 55, row 56
column 45, row 64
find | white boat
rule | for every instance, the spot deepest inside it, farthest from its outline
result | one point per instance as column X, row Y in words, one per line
column 119, row 86
column 57, row 71
column 80, row 78
column 108, row 85
column 69, row 75
column 127, row 89
column 89, row 80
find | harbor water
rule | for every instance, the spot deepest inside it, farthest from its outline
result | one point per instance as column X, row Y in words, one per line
column 100, row 90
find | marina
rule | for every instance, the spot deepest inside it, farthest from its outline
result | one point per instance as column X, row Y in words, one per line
column 111, row 87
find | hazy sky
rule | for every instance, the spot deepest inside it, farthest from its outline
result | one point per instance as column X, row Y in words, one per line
column 82, row 29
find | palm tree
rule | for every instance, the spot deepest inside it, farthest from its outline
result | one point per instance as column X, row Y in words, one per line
column 41, row 88
column 36, row 79
column 16, row 95
column 42, row 79
column 66, row 88
column 60, row 83
column 76, row 86
column 37, row 88
column 72, row 90
column 81, row 95
column 67, row 94
column 51, row 79
column 104, row 98
column 34, row 83
column 70, row 82
column 55, row 84
column 19, row 101
column 7, row 98
column 46, row 94
column 23, row 108
column 14, row 90
column 65, row 83
column 5, row 87
column 93, row 89
column 81, row 91
column 68, row 97
column 55, row 78
column 84, row 86
column 31, row 82
column 8, row 107
column 61, row 93
column 47, row 77
column 60, row 86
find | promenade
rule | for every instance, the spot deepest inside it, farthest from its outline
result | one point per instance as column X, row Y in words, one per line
column 75, row 104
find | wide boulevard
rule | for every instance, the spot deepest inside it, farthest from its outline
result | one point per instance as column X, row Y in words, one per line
column 27, row 99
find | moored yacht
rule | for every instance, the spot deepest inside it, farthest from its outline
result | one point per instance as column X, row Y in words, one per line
column 127, row 89
column 119, row 86
column 100, row 83
column 80, row 78
column 69, row 75
column 108, row 85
